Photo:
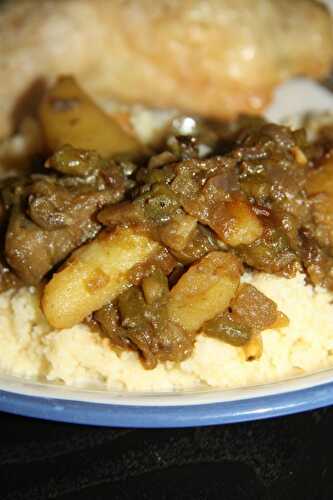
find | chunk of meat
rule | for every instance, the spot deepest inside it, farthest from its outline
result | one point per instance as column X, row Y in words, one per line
column 250, row 312
column 319, row 187
column 142, row 325
column 317, row 261
column 272, row 253
column 8, row 279
column 253, row 198
column 57, row 221
column 151, row 330
column 107, row 319
column 320, row 180
column 51, row 216
column 253, row 309
column 322, row 211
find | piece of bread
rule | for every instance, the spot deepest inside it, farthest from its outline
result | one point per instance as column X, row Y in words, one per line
column 214, row 57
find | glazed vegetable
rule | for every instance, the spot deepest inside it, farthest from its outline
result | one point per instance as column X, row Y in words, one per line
column 249, row 313
column 155, row 287
column 236, row 223
column 149, row 329
column 205, row 290
column 94, row 275
column 224, row 327
column 178, row 232
column 69, row 116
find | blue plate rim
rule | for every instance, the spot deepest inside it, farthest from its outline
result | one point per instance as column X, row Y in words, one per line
column 133, row 416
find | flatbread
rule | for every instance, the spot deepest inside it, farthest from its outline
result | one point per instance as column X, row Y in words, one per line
column 213, row 57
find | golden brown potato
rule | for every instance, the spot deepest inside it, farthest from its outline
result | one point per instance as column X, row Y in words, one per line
column 177, row 233
column 69, row 116
column 94, row 275
column 236, row 223
column 214, row 57
column 205, row 290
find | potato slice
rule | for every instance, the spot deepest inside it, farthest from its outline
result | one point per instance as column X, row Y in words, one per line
column 94, row 275
column 177, row 233
column 236, row 223
column 69, row 116
column 205, row 290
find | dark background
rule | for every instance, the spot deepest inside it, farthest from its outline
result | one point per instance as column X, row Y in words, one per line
column 283, row 458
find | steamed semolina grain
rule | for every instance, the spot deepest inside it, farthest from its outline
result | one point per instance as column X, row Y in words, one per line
column 81, row 358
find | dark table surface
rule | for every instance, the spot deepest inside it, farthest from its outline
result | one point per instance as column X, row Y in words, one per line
column 282, row 458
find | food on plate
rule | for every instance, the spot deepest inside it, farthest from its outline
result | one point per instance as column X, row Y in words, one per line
column 212, row 57
column 77, row 126
column 96, row 274
column 206, row 258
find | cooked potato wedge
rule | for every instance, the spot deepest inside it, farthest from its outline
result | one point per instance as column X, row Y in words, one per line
column 69, row 116
column 236, row 223
column 177, row 233
column 94, row 275
column 205, row 290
